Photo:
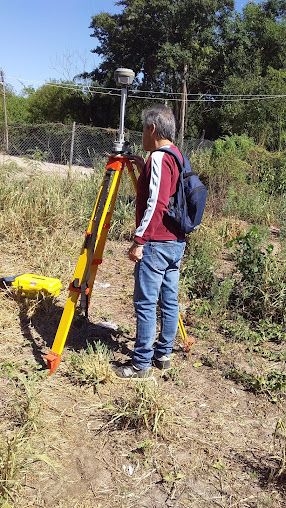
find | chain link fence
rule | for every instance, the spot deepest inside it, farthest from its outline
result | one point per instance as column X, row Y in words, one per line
column 74, row 144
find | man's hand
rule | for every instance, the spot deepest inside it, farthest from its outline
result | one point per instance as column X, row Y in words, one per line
column 135, row 252
column 139, row 161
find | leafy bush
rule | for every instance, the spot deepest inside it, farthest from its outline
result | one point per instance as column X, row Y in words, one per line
column 260, row 292
column 237, row 146
column 197, row 274
column 270, row 170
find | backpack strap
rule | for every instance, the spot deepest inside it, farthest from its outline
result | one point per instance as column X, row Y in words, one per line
column 178, row 161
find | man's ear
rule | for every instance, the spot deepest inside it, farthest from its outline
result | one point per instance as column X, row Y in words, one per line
column 152, row 128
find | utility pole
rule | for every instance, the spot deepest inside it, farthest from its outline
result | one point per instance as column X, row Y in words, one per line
column 6, row 139
column 183, row 108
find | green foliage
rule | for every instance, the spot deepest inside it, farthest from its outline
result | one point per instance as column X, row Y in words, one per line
column 251, row 204
column 221, row 296
column 260, row 291
column 237, row 146
column 254, row 334
column 197, row 273
column 158, row 39
column 173, row 373
column 273, row 381
column 271, row 171
column 17, row 108
column 58, row 103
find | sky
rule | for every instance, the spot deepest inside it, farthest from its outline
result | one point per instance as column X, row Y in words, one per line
column 42, row 40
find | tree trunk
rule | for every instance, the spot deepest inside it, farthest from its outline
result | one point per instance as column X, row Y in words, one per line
column 183, row 109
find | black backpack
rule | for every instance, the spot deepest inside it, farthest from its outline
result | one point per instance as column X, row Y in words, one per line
column 186, row 206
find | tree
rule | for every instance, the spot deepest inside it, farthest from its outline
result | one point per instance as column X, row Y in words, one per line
column 58, row 102
column 262, row 119
column 16, row 107
column 162, row 41
column 251, row 60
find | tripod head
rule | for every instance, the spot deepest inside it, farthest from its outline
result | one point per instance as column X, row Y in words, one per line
column 124, row 78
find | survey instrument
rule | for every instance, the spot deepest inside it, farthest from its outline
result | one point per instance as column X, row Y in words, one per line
column 92, row 249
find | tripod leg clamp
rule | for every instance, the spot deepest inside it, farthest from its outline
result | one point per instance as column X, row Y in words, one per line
column 84, row 298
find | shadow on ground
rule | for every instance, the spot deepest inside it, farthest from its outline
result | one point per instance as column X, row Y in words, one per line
column 39, row 328
column 265, row 468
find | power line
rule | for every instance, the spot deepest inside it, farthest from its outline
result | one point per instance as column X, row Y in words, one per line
column 197, row 97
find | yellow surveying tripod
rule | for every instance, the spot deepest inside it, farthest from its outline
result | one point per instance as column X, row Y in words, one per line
column 95, row 238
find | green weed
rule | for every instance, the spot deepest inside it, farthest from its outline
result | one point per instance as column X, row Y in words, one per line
column 261, row 290
column 250, row 204
column 174, row 374
column 273, row 382
column 199, row 264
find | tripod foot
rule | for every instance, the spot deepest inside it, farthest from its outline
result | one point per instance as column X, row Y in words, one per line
column 188, row 343
column 53, row 361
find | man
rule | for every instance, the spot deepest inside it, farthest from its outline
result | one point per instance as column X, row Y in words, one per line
column 157, row 249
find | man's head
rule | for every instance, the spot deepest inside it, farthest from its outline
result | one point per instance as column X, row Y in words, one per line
column 159, row 127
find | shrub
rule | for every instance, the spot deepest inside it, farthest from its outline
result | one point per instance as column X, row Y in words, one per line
column 199, row 263
column 237, row 146
column 260, row 291
column 250, row 204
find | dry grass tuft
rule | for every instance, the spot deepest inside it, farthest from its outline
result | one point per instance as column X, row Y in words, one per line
column 22, row 411
column 91, row 366
column 279, row 439
column 147, row 407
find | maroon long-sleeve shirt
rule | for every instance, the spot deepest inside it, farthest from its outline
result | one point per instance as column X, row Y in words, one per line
column 156, row 184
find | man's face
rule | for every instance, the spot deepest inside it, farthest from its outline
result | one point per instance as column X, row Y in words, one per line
column 147, row 138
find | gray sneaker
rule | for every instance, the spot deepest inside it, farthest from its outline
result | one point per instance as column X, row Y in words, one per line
column 162, row 364
column 129, row 371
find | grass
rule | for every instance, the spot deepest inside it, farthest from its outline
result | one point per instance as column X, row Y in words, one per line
column 147, row 407
column 17, row 453
column 279, row 443
column 91, row 366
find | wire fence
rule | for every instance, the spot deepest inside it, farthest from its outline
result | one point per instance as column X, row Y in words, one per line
column 73, row 144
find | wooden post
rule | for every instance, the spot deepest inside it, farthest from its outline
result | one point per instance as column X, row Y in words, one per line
column 183, row 109
column 72, row 143
column 6, row 139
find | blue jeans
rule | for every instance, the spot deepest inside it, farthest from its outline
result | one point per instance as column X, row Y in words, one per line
column 156, row 280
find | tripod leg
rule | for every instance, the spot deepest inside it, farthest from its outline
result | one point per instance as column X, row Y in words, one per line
column 100, row 208
column 99, row 247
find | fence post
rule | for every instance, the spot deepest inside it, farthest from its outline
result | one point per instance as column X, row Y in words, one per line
column 72, row 143
column 6, row 139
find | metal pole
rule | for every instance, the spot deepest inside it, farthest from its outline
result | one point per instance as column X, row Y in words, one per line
column 6, row 139
column 72, row 143
column 122, row 113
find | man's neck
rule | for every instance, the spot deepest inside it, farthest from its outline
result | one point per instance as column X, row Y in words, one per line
column 161, row 142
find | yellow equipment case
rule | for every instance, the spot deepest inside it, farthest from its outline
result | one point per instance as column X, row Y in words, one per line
column 29, row 284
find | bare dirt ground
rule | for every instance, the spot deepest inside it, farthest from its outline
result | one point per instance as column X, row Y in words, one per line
column 215, row 448
column 27, row 165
